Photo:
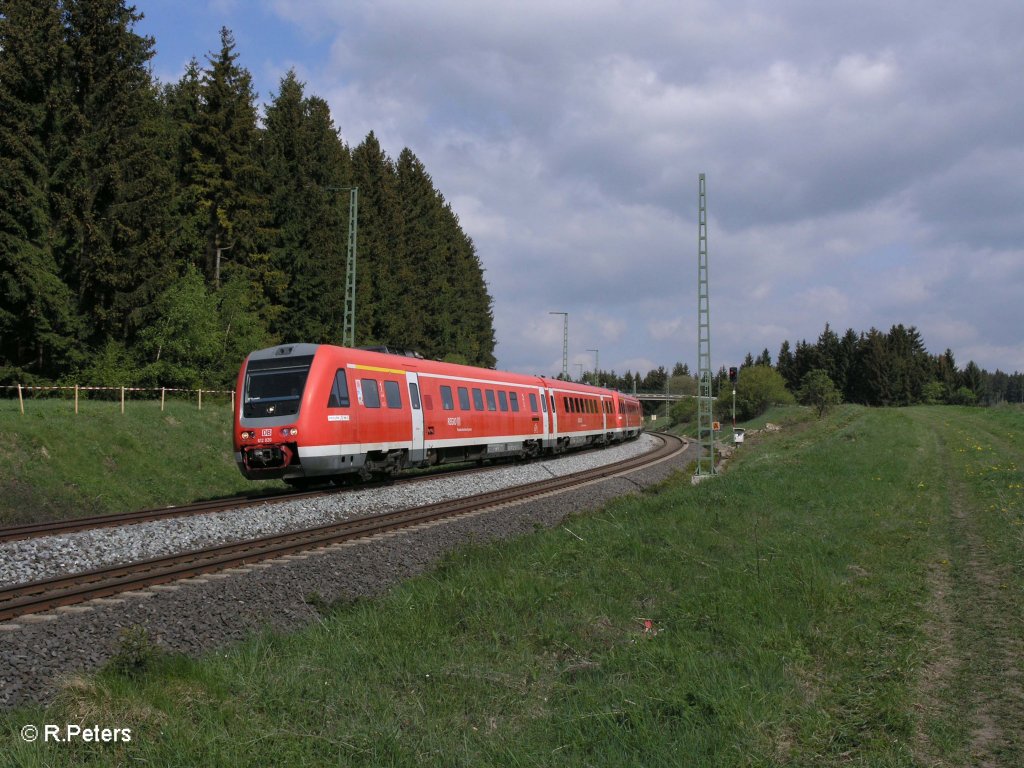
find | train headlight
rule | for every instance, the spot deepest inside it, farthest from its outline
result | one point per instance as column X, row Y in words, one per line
column 247, row 435
column 289, row 431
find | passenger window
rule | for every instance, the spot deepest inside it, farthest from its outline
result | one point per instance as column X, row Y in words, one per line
column 446, row 398
column 414, row 396
column 478, row 399
column 491, row 405
column 371, row 394
column 463, row 398
column 502, row 400
column 393, row 394
column 565, row 402
column 514, row 399
column 533, row 402
column 339, row 391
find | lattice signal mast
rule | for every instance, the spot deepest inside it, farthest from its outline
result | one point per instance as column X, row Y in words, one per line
column 348, row 333
column 705, row 417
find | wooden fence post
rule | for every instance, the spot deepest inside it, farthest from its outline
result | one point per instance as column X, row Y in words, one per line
column 76, row 399
column 122, row 400
column 232, row 401
column 21, row 402
column 200, row 399
column 163, row 391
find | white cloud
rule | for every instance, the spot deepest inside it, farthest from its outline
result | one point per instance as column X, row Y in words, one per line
column 864, row 162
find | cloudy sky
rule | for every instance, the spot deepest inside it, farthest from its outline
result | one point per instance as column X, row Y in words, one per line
column 864, row 160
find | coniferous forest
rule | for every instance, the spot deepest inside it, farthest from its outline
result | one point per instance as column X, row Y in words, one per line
column 153, row 234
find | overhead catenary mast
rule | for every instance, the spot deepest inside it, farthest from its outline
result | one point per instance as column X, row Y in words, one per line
column 705, row 417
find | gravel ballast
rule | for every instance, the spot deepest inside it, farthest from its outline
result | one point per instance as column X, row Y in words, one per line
column 194, row 616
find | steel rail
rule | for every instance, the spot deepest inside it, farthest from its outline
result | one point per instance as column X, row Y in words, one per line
column 39, row 596
column 252, row 499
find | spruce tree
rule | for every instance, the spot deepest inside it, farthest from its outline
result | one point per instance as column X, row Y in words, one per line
column 785, row 365
column 110, row 177
column 379, row 289
column 182, row 103
column 227, row 177
column 428, row 271
column 39, row 326
column 307, row 171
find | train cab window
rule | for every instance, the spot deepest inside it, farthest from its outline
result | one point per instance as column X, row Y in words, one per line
column 552, row 403
column 514, row 401
column 414, row 396
column 371, row 394
column 502, row 399
column 339, row 391
column 393, row 394
column 478, row 399
column 463, row 398
column 446, row 398
column 491, row 404
column 533, row 402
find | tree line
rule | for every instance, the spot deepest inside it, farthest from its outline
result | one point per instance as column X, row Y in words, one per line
column 869, row 368
column 893, row 368
column 155, row 233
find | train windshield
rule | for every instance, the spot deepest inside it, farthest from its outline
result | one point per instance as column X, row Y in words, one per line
column 274, row 387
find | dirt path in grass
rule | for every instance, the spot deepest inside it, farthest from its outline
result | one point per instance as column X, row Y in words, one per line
column 971, row 692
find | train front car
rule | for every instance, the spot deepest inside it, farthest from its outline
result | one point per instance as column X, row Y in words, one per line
column 316, row 413
column 270, row 418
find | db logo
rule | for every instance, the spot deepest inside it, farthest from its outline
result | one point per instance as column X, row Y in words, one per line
column 267, row 432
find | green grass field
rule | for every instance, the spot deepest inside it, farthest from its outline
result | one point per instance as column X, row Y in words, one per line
column 849, row 592
column 54, row 464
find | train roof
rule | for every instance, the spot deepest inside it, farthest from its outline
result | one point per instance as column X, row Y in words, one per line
column 400, row 359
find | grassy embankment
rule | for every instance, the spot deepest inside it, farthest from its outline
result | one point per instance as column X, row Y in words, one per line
column 848, row 593
column 54, row 464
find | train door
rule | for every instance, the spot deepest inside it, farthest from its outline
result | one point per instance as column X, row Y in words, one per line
column 552, row 414
column 415, row 408
column 543, row 413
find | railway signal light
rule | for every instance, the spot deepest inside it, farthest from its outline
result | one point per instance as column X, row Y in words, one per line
column 734, row 373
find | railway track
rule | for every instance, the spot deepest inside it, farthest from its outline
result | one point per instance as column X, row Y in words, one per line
column 40, row 596
column 58, row 527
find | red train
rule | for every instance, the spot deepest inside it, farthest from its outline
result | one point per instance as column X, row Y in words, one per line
column 309, row 412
